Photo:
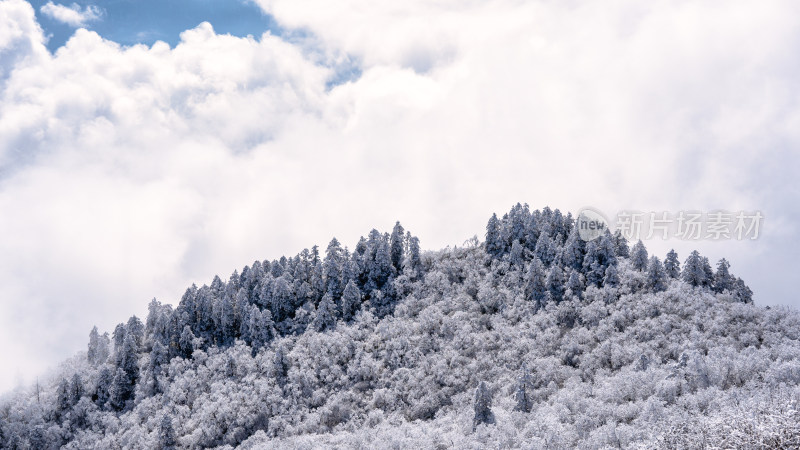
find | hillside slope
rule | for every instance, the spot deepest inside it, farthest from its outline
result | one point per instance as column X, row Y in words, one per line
column 533, row 338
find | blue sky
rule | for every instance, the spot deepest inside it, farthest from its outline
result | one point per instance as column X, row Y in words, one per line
column 131, row 172
column 131, row 22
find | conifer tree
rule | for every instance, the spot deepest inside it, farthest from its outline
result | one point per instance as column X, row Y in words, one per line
column 482, row 406
column 574, row 284
column 656, row 275
column 672, row 266
column 494, row 244
column 523, row 400
column 611, row 277
column 693, row 272
column 325, row 318
column 397, row 246
column 536, row 289
column 723, row 281
column 621, row 245
column 639, row 256
column 555, row 283
column 166, row 434
column 351, row 301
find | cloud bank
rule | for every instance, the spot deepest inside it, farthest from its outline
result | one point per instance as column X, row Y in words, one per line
column 132, row 172
column 72, row 15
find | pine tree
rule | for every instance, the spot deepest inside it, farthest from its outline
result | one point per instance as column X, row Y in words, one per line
column 574, row 284
column 397, row 246
column 672, row 266
column 413, row 262
column 523, row 400
column 494, row 244
column 102, row 391
column 332, row 269
column 280, row 365
column 656, row 275
column 166, row 434
column 516, row 256
column 135, row 329
column 325, row 318
column 708, row 272
column 121, row 391
column 63, row 401
column 639, row 256
column 742, row 292
column 282, row 298
column 621, row 245
column 693, row 272
column 545, row 249
column 94, row 343
column 574, row 251
column 186, row 342
column 723, row 281
column 555, row 283
column 351, row 301
column 611, row 277
column 482, row 406
column 536, row 289
column 75, row 389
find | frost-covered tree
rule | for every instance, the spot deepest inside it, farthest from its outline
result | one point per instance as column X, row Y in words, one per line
column 494, row 244
column 325, row 318
column 332, row 269
column 600, row 254
column 186, row 342
column 482, row 406
column 413, row 261
column 103, row 387
column 535, row 286
column 656, row 275
column 693, row 272
column 621, row 245
column 574, row 251
column 545, row 249
column 166, row 434
column 522, row 399
column 98, row 348
column 723, row 281
column 555, row 283
column 575, row 284
column 611, row 277
column 397, row 246
column 282, row 299
column 639, row 258
column 76, row 389
column 672, row 266
column 351, row 301
column 517, row 256
column 63, row 399
column 135, row 329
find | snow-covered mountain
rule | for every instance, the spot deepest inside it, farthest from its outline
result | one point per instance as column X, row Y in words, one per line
column 533, row 338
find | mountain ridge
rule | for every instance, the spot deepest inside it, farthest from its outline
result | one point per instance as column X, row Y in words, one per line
column 531, row 338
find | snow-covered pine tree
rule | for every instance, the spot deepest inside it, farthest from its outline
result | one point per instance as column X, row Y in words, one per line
column 639, row 256
column 494, row 244
column 672, row 266
column 521, row 396
column 693, row 272
column 482, row 406
column 656, row 275
column 325, row 318
column 397, row 246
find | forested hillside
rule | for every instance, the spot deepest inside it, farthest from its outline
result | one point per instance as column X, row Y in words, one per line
column 531, row 338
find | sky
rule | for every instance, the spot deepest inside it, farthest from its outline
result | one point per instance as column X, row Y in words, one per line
column 147, row 146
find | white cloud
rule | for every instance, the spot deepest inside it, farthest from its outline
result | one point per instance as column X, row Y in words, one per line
column 72, row 15
column 129, row 173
